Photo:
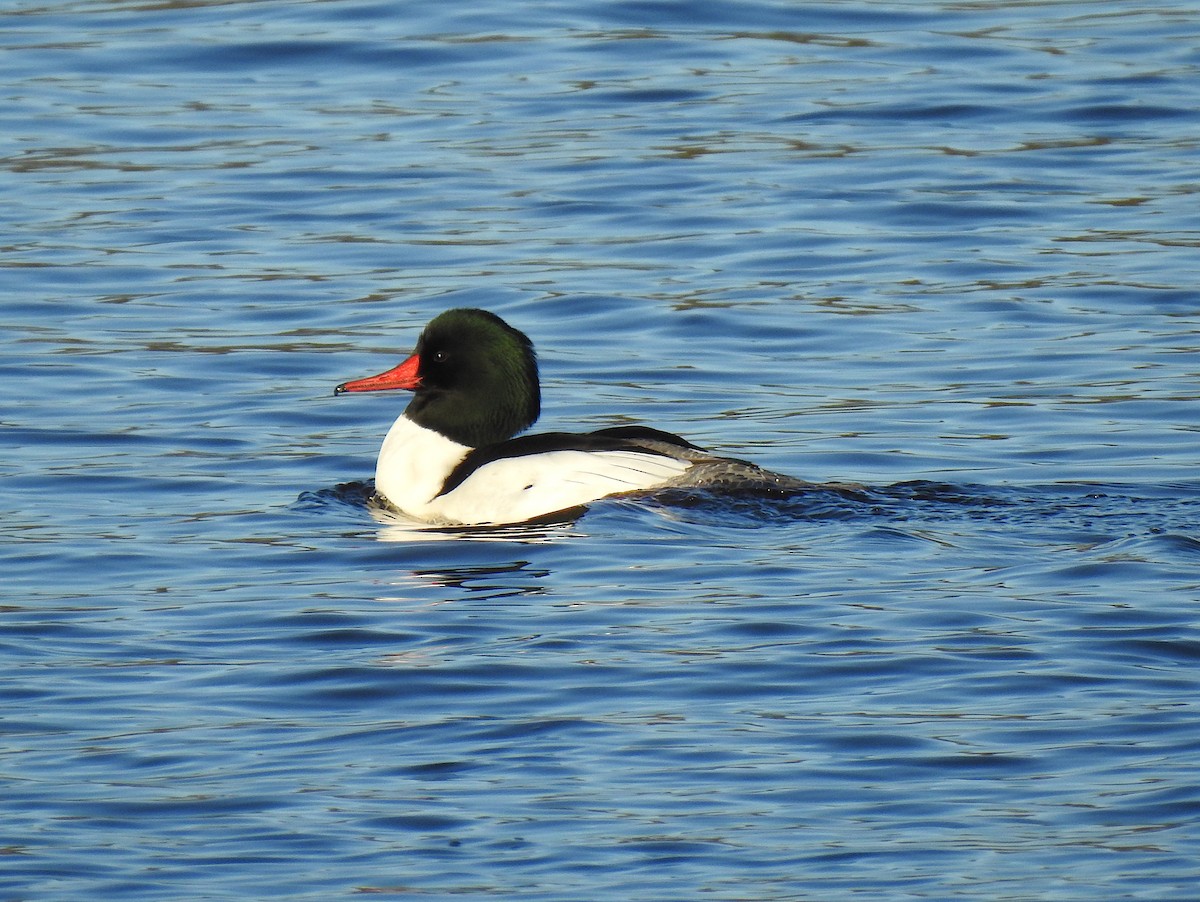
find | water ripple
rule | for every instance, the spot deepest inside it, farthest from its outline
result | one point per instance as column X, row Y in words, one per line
column 945, row 251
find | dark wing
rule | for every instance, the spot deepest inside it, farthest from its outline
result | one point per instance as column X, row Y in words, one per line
column 639, row 434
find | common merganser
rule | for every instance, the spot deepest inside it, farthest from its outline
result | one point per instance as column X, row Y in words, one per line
column 451, row 457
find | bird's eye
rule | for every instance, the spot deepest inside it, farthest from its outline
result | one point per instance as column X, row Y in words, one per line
column 440, row 356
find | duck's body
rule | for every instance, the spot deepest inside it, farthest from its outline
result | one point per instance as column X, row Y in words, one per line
column 430, row 477
column 451, row 457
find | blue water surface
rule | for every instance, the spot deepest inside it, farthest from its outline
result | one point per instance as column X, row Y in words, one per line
column 948, row 250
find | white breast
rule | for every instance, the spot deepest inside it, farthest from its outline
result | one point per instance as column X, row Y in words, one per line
column 413, row 465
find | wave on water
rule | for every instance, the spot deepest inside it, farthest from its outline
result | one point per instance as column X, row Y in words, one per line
column 1114, row 508
column 1108, row 509
column 352, row 495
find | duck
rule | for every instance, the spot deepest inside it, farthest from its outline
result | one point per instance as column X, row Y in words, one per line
column 458, row 455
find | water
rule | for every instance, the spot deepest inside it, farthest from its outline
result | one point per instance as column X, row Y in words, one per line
column 948, row 250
